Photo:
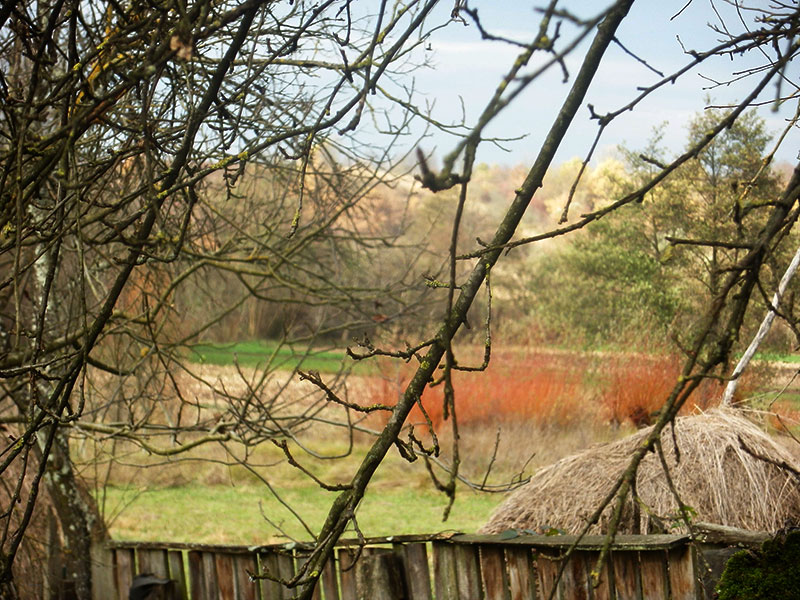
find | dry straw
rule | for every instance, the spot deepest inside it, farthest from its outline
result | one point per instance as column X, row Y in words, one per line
column 714, row 471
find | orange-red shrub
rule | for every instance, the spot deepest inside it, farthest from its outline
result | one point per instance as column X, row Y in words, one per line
column 539, row 386
column 552, row 388
column 636, row 386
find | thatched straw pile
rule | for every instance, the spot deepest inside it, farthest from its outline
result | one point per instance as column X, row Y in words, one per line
column 715, row 476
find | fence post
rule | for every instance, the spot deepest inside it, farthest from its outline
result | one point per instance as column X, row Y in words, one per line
column 246, row 589
column 329, row 581
column 102, row 572
column 444, row 571
column 493, row 569
column 627, row 574
column 124, row 565
column 521, row 573
column 379, row 575
column 177, row 573
column 682, row 577
column 414, row 557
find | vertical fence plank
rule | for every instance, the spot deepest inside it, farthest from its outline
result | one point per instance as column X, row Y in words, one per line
column 223, row 567
column 177, row 573
column 125, row 565
column 626, row 575
column 576, row 581
column 444, row 571
column 580, row 573
column 103, row 584
column 278, row 564
column 605, row 587
column 330, row 585
column 379, row 575
column 655, row 577
column 243, row 565
column 417, row 572
column 152, row 561
column 210, row 586
column 268, row 563
column 468, row 571
column 347, row 573
column 197, row 581
column 493, row 571
column 285, row 572
column 299, row 561
column 568, row 586
column 681, row 574
column 521, row 573
column 547, row 574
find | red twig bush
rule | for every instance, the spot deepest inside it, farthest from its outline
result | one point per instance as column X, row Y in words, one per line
column 551, row 388
column 636, row 386
column 546, row 388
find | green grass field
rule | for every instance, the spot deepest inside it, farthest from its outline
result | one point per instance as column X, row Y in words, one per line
column 773, row 357
column 548, row 412
column 261, row 353
column 235, row 515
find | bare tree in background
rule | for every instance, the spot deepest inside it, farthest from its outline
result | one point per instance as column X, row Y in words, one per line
column 125, row 133
column 163, row 165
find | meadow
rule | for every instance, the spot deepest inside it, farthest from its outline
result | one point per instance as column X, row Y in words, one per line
column 528, row 409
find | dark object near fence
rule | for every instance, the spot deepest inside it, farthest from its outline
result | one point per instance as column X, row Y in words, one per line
column 146, row 586
column 489, row 567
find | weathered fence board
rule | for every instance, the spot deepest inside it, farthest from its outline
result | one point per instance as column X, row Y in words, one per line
column 125, row 569
column 103, row 584
column 267, row 563
column 468, row 571
column 210, row 575
column 329, row 581
column 196, row 576
column 379, row 575
column 574, row 577
column 416, row 567
column 521, row 573
column 223, row 566
column 682, row 578
column 444, row 571
column 626, row 575
column 493, row 569
column 177, row 573
column 347, row 573
column 655, row 576
column 278, row 564
column 604, row 590
column 418, row 578
column 152, row 561
column 547, row 567
column 246, row 588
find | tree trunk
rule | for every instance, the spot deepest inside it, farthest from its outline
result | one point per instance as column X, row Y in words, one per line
column 78, row 517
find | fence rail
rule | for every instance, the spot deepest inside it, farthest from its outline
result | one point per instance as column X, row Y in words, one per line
column 439, row 567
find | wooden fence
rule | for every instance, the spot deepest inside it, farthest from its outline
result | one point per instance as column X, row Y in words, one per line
column 662, row 567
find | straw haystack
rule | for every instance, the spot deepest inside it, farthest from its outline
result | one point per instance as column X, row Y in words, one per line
column 713, row 473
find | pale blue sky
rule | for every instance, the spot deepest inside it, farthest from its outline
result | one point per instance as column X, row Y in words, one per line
column 466, row 67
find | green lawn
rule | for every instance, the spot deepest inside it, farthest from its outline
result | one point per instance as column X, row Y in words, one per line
column 773, row 357
column 260, row 353
column 233, row 515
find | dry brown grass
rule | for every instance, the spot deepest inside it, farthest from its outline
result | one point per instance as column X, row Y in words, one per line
column 713, row 473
